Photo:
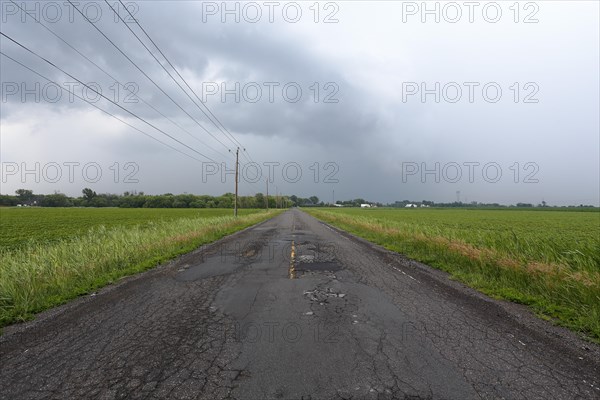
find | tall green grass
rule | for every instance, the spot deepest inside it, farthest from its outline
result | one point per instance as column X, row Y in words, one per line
column 21, row 226
column 549, row 260
column 43, row 275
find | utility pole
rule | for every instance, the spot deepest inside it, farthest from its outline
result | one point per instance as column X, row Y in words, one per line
column 267, row 194
column 235, row 203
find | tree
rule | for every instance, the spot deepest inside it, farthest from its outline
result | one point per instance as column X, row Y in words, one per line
column 314, row 199
column 260, row 200
column 24, row 195
column 159, row 202
column 198, row 204
column 524, row 205
column 88, row 194
column 55, row 200
column 6, row 200
column 99, row 201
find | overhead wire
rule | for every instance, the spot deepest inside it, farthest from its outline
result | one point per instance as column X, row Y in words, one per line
column 118, row 82
column 146, row 75
column 103, row 96
column 214, row 118
column 97, row 107
column 242, row 148
column 232, row 138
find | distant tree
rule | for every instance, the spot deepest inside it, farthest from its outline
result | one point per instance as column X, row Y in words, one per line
column 133, row 201
column 314, row 199
column 259, row 199
column 224, row 201
column 524, row 205
column 25, row 196
column 88, row 194
column 183, row 200
column 198, row 204
column 99, row 201
column 6, row 200
column 55, row 200
column 158, row 202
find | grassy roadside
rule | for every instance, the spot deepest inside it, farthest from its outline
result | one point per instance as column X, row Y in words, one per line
column 562, row 286
column 42, row 276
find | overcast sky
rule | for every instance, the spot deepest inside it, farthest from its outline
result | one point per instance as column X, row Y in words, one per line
column 492, row 103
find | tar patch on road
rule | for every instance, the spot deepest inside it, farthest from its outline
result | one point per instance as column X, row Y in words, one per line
column 318, row 267
column 312, row 257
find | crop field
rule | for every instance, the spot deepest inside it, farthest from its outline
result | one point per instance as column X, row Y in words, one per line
column 20, row 227
column 51, row 255
column 549, row 260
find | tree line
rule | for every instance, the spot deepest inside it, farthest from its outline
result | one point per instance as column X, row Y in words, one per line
column 90, row 198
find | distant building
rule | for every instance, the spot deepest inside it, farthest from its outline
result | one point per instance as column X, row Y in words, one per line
column 410, row 205
column 338, row 205
column 365, row 206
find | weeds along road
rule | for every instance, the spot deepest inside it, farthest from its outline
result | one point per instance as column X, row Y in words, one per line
column 293, row 309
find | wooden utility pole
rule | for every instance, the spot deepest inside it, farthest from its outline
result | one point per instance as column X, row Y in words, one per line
column 267, row 194
column 235, row 204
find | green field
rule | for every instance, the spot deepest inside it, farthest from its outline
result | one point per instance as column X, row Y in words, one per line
column 49, row 255
column 549, row 260
column 22, row 226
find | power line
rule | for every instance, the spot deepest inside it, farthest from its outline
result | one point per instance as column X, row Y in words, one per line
column 146, row 75
column 233, row 139
column 117, row 81
column 181, row 77
column 104, row 111
column 162, row 66
column 224, row 130
column 100, row 109
column 103, row 96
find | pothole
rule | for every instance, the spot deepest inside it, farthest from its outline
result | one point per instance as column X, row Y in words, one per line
column 322, row 295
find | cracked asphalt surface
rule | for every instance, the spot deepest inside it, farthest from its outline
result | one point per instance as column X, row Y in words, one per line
column 294, row 309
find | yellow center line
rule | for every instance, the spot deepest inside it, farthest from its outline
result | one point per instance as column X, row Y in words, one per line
column 292, row 270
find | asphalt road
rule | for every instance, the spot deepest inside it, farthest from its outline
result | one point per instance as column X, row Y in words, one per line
column 293, row 309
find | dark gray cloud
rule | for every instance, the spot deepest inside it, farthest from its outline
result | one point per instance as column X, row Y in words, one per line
column 372, row 132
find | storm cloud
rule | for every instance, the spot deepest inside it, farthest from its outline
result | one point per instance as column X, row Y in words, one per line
column 374, row 100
